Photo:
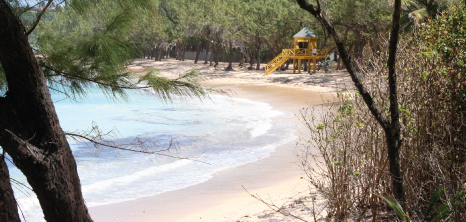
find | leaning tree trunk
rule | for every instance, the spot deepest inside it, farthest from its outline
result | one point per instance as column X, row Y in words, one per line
column 198, row 52
column 339, row 64
column 183, row 52
column 8, row 209
column 30, row 131
column 160, row 53
column 218, row 50
column 207, row 53
column 199, row 49
column 214, row 53
column 230, row 56
column 251, row 60
column 258, row 66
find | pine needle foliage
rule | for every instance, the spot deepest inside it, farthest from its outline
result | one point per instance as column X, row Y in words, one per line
column 185, row 86
column 91, row 43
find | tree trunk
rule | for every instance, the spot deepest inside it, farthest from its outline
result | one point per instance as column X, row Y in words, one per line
column 179, row 49
column 213, row 55
column 160, row 53
column 198, row 52
column 183, row 53
column 207, row 53
column 258, row 56
column 358, row 49
column 199, row 49
column 217, row 58
column 251, row 60
column 394, row 141
column 230, row 56
column 8, row 209
column 218, row 50
column 339, row 64
column 30, row 131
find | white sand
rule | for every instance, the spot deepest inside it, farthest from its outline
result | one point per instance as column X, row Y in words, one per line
column 276, row 179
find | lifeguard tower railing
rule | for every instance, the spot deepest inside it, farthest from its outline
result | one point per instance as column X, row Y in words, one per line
column 294, row 54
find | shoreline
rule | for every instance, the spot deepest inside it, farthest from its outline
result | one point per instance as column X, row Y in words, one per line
column 222, row 197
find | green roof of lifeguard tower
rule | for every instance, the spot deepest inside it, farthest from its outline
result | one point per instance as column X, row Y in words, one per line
column 305, row 32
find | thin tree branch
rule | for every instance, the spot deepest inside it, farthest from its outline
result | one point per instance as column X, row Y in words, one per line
column 63, row 92
column 27, row 9
column 168, row 15
column 274, row 207
column 34, row 25
column 133, row 150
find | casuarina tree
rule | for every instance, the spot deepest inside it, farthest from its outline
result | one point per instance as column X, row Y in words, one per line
column 30, row 131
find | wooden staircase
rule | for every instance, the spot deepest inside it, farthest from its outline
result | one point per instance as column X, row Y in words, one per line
column 278, row 61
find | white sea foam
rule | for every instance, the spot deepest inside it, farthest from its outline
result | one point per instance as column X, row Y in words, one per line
column 126, row 179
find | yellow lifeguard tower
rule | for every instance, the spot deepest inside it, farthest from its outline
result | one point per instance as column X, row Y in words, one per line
column 305, row 47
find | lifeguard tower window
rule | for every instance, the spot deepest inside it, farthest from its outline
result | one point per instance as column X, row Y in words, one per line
column 303, row 45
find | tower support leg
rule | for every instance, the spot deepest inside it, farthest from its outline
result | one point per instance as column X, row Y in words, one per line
column 299, row 65
column 309, row 66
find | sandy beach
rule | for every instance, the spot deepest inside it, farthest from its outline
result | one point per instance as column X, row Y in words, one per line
column 276, row 179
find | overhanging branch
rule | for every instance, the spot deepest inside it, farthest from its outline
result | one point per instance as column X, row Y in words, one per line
column 69, row 75
column 36, row 22
column 159, row 152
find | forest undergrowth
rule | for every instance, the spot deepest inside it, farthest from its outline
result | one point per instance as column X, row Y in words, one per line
column 350, row 167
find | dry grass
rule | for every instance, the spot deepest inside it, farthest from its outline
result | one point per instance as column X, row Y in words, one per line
column 351, row 168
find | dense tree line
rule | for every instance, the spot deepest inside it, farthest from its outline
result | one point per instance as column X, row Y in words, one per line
column 252, row 30
column 257, row 30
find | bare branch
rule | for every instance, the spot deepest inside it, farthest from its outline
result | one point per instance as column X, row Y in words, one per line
column 66, row 94
column 159, row 152
column 34, row 25
column 164, row 7
column 274, row 207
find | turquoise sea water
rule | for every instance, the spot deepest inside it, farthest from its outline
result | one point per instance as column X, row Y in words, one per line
column 216, row 133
